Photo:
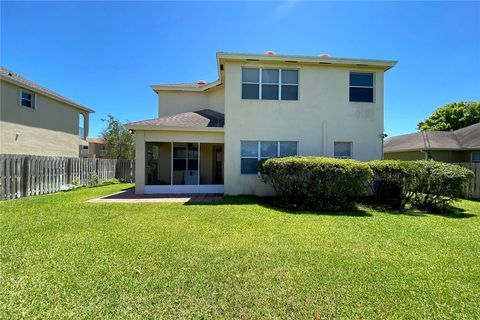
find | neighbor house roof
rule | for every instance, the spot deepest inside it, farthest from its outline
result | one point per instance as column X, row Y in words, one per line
column 205, row 119
column 291, row 60
column 462, row 139
column 21, row 81
column 95, row 140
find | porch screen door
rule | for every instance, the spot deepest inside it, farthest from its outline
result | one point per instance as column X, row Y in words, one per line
column 185, row 163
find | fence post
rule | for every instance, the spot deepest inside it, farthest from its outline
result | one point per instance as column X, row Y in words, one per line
column 26, row 176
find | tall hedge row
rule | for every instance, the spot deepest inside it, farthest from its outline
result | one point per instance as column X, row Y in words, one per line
column 317, row 183
column 336, row 184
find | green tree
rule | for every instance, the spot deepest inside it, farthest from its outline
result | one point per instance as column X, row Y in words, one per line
column 452, row 116
column 119, row 142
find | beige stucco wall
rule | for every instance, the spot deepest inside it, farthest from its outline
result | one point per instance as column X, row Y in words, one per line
column 50, row 129
column 407, row 155
column 322, row 115
column 173, row 102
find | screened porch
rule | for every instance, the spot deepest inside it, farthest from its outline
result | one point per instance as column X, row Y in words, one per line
column 177, row 167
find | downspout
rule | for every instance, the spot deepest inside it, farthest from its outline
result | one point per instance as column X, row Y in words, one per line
column 324, row 141
column 426, row 143
column 426, row 154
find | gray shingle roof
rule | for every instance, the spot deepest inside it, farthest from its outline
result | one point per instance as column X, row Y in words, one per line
column 4, row 72
column 461, row 139
column 205, row 118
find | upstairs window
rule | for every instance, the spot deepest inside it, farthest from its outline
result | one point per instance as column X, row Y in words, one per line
column 27, row 99
column 342, row 150
column 361, row 87
column 269, row 84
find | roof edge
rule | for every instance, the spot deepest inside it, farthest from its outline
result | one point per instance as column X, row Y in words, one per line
column 383, row 64
column 160, row 128
column 173, row 87
column 52, row 96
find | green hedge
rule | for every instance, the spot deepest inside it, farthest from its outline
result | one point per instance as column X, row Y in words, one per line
column 317, row 183
column 394, row 180
column 335, row 184
column 438, row 184
column 426, row 184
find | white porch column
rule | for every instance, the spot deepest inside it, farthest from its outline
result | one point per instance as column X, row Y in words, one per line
column 139, row 162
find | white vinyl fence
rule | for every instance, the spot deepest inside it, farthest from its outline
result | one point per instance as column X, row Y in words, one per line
column 26, row 175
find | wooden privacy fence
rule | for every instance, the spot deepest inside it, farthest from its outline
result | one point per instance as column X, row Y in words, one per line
column 25, row 175
column 472, row 189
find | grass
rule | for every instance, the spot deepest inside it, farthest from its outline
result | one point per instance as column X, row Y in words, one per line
column 64, row 258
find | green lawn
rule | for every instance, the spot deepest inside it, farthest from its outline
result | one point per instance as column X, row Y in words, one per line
column 64, row 258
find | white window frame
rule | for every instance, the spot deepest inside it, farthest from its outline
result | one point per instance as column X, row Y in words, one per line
column 259, row 149
column 471, row 157
column 366, row 87
column 33, row 100
column 343, row 157
column 260, row 83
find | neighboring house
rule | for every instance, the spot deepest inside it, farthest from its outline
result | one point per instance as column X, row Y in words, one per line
column 35, row 120
column 208, row 137
column 94, row 149
column 462, row 145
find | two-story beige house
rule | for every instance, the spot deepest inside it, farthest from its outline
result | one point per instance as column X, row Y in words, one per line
column 209, row 137
column 94, row 149
column 38, row 121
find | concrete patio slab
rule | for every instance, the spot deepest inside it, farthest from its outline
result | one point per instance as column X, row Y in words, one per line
column 129, row 196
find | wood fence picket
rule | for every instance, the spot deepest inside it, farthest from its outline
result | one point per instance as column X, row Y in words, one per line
column 28, row 175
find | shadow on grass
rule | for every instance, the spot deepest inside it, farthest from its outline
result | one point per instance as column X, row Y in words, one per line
column 268, row 202
column 449, row 212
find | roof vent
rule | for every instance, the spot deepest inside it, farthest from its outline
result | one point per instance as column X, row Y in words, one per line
column 325, row 55
column 202, row 82
column 270, row 53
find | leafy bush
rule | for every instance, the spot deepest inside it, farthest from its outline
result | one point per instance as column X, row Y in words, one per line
column 394, row 180
column 112, row 181
column 94, row 180
column 438, row 184
column 317, row 183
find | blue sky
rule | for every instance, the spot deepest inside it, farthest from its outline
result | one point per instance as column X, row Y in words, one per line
column 106, row 55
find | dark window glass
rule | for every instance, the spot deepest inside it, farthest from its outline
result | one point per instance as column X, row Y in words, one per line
column 250, row 91
column 179, row 164
column 249, row 149
column 361, row 79
column 289, row 92
column 361, row 94
column 290, row 76
column 192, row 164
column 250, row 75
column 288, row 149
column 270, row 75
column 342, row 149
column 269, row 92
column 249, row 165
column 26, row 103
column 26, row 96
column 268, row 149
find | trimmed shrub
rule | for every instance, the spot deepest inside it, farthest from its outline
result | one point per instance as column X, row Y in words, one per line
column 317, row 183
column 438, row 185
column 394, row 180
